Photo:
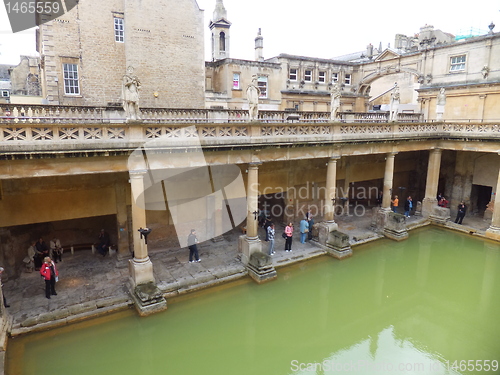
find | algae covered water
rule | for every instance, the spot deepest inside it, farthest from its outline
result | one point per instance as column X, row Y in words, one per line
column 427, row 305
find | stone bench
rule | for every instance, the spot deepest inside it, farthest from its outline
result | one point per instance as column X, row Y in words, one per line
column 82, row 246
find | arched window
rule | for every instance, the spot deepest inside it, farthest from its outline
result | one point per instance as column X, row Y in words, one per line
column 222, row 41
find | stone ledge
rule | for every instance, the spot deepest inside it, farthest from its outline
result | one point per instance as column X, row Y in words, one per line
column 19, row 329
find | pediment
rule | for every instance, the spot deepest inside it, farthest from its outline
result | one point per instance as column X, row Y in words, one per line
column 387, row 54
column 220, row 23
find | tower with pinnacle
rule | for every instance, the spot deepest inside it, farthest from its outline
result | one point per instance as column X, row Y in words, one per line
column 219, row 25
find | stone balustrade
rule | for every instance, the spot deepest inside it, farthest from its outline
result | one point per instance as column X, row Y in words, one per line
column 25, row 138
column 50, row 114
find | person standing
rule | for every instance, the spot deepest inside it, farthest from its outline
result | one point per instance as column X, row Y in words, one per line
column 462, row 209
column 104, row 243
column 395, row 204
column 289, row 237
column 56, row 249
column 50, row 274
column 304, row 229
column 310, row 221
column 193, row 248
column 408, row 206
column 270, row 236
column 42, row 250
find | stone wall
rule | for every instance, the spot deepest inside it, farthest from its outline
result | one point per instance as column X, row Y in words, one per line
column 163, row 42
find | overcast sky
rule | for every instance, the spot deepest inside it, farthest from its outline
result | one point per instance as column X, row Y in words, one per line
column 316, row 28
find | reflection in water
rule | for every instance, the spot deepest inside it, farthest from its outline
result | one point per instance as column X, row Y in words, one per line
column 412, row 305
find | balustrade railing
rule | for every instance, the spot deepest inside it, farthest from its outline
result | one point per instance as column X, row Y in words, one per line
column 50, row 114
column 87, row 135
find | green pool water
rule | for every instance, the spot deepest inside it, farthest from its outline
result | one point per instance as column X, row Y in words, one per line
column 413, row 307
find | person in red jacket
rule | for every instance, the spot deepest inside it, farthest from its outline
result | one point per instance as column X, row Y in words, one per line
column 49, row 273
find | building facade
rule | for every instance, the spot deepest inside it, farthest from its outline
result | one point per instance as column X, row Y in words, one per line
column 86, row 52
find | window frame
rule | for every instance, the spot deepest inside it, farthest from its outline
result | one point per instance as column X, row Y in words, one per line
column 348, row 79
column 294, row 74
column 5, row 94
column 462, row 64
column 237, row 74
column 308, row 77
column 70, row 79
column 265, row 80
column 120, row 30
column 335, row 77
column 322, row 76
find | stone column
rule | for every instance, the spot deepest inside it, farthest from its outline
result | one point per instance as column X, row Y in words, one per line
column 494, row 230
column 141, row 268
column 121, row 220
column 388, row 177
column 331, row 187
column 329, row 224
column 431, row 187
column 251, row 242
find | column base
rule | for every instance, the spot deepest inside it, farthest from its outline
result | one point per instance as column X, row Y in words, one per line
column 148, row 299
column 260, row 268
column 324, row 230
column 247, row 246
column 439, row 215
column 493, row 233
column 141, row 271
column 338, row 245
column 395, row 227
column 428, row 205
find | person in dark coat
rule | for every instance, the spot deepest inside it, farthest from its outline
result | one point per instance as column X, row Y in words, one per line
column 41, row 251
column 462, row 209
column 104, row 243
column 193, row 248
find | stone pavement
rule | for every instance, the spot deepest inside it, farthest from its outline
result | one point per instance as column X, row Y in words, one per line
column 91, row 285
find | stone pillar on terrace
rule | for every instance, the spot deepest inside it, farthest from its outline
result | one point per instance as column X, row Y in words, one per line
column 250, row 243
column 388, row 178
column 494, row 230
column 121, row 220
column 329, row 225
column 429, row 203
column 381, row 214
column 146, row 295
column 259, row 265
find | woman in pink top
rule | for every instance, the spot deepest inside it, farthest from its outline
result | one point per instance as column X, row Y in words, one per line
column 288, row 239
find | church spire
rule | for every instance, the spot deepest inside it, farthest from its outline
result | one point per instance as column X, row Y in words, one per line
column 219, row 12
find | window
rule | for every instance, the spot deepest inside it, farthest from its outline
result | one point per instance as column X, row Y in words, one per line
column 71, row 85
column 335, row 77
column 5, row 94
column 347, row 79
column 293, row 75
column 222, row 42
column 262, row 83
column 236, row 81
column 308, row 75
column 322, row 77
column 457, row 63
column 119, row 30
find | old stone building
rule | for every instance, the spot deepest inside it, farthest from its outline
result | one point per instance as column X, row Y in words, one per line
column 86, row 52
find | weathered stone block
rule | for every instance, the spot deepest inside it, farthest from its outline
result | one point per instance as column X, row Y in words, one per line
column 260, row 267
column 395, row 227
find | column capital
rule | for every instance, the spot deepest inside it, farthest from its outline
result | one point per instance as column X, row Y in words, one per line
column 392, row 154
column 334, row 158
column 254, row 165
column 137, row 173
column 436, row 150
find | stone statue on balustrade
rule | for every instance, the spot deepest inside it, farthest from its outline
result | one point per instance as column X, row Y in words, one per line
column 440, row 103
column 253, row 93
column 335, row 101
column 130, row 95
column 394, row 105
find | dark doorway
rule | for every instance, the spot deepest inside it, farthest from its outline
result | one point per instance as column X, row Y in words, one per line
column 480, row 197
column 272, row 205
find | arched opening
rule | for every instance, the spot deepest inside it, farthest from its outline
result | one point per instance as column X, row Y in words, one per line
column 222, row 42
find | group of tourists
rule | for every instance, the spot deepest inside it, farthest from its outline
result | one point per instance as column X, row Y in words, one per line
column 305, row 229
